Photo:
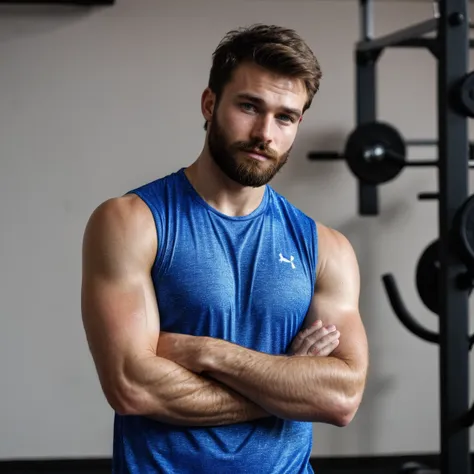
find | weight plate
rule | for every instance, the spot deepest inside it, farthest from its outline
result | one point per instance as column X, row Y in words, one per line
column 413, row 468
column 375, row 152
column 465, row 95
column 427, row 277
column 464, row 231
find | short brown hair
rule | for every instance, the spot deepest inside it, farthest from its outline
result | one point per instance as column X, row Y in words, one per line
column 272, row 47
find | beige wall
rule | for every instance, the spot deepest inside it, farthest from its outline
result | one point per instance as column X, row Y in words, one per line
column 96, row 102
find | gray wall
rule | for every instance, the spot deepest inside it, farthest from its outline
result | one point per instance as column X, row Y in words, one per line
column 96, row 102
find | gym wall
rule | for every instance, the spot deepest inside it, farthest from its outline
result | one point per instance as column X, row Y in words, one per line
column 97, row 101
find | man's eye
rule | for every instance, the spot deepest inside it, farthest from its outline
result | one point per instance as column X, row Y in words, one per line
column 286, row 118
column 248, row 107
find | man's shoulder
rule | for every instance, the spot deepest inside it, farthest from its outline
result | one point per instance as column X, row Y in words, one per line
column 331, row 237
column 119, row 228
column 122, row 214
column 290, row 207
column 333, row 246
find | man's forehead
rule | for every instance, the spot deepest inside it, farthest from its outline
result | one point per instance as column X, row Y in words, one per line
column 256, row 81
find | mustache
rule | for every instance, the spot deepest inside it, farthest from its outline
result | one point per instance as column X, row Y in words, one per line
column 257, row 147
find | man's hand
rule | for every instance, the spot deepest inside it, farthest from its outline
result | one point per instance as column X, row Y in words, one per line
column 315, row 340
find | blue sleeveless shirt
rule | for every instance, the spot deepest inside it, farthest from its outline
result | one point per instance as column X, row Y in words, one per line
column 248, row 280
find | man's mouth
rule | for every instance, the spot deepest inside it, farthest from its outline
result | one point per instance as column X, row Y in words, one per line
column 257, row 155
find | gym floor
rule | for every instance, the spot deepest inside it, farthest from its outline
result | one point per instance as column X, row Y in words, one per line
column 359, row 465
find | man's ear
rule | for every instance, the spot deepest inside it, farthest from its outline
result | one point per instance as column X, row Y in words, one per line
column 208, row 103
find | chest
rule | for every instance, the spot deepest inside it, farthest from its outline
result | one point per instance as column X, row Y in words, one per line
column 227, row 280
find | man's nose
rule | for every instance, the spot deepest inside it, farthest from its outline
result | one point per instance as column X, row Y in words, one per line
column 262, row 129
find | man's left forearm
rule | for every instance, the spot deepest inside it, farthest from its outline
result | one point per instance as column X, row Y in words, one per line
column 324, row 389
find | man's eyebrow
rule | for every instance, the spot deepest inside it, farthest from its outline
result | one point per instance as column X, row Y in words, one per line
column 259, row 100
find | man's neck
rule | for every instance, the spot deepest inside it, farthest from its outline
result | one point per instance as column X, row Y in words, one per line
column 219, row 191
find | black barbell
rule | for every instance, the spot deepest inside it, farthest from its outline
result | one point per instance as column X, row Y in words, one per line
column 376, row 153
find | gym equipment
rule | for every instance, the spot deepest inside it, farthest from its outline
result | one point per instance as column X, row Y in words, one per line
column 416, row 468
column 376, row 153
column 428, row 273
column 427, row 277
column 463, row 95
column 464, row 230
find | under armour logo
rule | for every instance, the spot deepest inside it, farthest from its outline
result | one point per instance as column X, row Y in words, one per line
column 290, row 261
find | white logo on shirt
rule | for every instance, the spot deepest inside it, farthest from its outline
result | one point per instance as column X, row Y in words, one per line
column 290, row 261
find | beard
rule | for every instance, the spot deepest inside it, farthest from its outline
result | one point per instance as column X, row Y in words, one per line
column 245, row 171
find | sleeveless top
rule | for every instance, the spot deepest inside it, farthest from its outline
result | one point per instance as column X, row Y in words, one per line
column 248, row 280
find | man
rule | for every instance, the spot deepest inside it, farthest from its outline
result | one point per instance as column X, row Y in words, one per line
column 210, row 303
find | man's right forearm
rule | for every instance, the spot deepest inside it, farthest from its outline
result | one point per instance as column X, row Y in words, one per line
column 167, row 392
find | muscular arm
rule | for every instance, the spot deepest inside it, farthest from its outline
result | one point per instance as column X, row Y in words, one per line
column 121, row 320
column 324, row 389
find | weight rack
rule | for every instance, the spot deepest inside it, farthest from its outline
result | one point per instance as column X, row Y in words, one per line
column 450, row 46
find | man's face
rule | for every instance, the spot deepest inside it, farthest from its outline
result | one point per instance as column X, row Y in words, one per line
column 254, row 125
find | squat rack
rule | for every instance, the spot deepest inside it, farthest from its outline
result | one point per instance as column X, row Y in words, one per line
column 450, row 46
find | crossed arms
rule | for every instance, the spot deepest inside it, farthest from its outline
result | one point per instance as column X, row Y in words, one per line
column 202, row 381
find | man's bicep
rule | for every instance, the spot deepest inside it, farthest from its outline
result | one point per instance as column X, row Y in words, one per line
column 336, row 297
column 352, row 346
column 120, row 319
column 119, row 309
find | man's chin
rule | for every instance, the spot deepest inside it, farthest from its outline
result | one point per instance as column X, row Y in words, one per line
column 247, row 171
column 252, row 178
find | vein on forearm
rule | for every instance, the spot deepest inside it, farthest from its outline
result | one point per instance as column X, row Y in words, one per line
column 299, row 387
column 175, row 395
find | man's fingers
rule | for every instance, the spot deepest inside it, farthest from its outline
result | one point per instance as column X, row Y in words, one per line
column 321, row 337
column 319, row 347
column 326, row 350
column 300, row 338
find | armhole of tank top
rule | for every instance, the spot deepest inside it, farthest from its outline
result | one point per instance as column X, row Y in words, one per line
column 159, row 229
column 315, row 250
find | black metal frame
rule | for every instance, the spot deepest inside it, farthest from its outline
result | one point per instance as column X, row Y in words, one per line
column 453, row 64
column 451, row 48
